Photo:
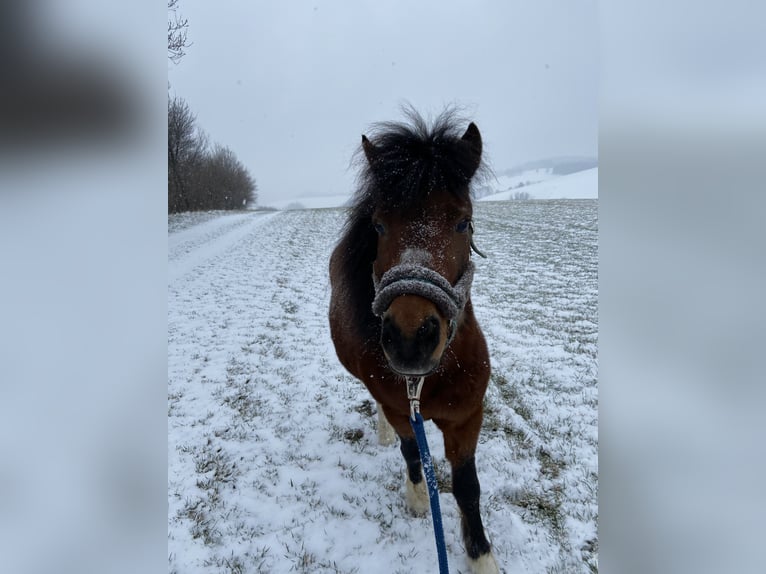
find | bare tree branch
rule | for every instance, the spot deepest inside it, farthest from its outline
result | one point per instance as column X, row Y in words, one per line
column 177, row 30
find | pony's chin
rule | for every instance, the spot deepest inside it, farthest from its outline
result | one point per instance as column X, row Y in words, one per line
column 410, row 371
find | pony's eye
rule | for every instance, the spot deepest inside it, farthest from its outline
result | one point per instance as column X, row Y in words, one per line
column 463, row 226
column 379, row 228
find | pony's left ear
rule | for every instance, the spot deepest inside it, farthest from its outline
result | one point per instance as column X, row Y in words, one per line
column 472, row 140
column 369, row 149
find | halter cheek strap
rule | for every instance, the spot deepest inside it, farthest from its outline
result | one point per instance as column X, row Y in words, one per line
column 410, row 279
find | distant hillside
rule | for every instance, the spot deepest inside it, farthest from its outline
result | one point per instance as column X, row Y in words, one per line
column 580, row 185
column 563, row 165
column 506, row 182
column 310, row 202
column 518, row 178
column 532, row 172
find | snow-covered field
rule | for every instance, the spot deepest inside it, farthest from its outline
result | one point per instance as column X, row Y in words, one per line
column 273, row 461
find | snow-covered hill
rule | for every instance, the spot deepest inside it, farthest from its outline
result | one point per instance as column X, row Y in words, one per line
column 310, row 202
column 580, row 185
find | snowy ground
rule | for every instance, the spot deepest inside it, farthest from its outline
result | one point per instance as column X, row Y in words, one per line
column 273, row 461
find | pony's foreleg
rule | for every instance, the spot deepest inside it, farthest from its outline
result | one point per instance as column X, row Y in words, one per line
column 415, row 490
column 460, row 445
column 465, row 487
column 386, row 434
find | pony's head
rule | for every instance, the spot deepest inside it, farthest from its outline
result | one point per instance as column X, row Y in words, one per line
column 415, row 197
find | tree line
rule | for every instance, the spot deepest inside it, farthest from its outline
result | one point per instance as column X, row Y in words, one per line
column 202, row 176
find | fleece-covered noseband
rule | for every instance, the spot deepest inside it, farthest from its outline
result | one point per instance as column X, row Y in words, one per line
column 411, row 279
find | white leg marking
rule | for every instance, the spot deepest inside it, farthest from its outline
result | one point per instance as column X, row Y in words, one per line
column 386, row 434
column 484, row 564
column 416, row 496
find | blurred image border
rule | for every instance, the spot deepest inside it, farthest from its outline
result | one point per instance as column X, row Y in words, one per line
column 682, row 139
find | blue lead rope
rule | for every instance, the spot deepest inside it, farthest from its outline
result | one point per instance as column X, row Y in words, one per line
column 433, row 492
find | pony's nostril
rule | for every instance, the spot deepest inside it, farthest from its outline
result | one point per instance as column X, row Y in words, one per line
column 428, row 335
column 389, row 332
column 429, row 328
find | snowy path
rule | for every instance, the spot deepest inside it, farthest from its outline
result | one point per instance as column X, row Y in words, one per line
column 189, row 248
column 273, row 463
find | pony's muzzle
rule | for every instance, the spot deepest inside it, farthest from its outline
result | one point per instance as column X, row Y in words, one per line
column 420, row 310
column 412, row 336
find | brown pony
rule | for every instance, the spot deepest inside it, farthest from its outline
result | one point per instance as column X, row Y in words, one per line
column 401, row 307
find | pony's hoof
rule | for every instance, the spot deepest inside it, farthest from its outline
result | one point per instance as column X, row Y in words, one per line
column 484, row 564
column 416, row 496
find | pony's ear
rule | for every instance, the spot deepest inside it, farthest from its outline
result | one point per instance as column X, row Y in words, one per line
column 369, row 149
column 472, row 141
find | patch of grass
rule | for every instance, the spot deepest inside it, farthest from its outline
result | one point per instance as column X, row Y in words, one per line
column 543, row 508
column 520, row 438
column 407, row 557
column 173, row 401
column 351, row 471
column 289, row 307
column 384, row 520
column 492, row 423
column 231, row 564
column 203, row 526
column 350, row 435
column 512, row 396
column 303, row 460
column 353, row 435
column 214, row 470
column 443, row 474
column 232, row 433
column 331, row 566
column 203, row 421
column 365, row 408
column 355, row 500
column 550, row 466
column 302, row 560
column 247, row 406
column 214, row 463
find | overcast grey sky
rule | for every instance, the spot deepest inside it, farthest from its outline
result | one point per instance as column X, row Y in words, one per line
column 291, row 86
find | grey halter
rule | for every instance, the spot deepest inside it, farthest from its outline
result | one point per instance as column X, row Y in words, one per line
column 411, row 279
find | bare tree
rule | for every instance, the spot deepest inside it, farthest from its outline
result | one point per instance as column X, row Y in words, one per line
column 177, row 30
column 222, row 182
column 186, row 150
column 200, row 177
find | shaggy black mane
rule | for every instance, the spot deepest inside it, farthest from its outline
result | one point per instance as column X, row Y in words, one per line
column 408, row 162
column 412, row 159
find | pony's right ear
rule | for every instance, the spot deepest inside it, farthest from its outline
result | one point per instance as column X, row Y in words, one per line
column 369, row 149
column 472, row 140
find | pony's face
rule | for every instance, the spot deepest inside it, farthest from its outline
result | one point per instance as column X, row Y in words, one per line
column 434, row 235
column 422, row 217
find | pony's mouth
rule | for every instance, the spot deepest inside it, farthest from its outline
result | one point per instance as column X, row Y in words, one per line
column 412, row 370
